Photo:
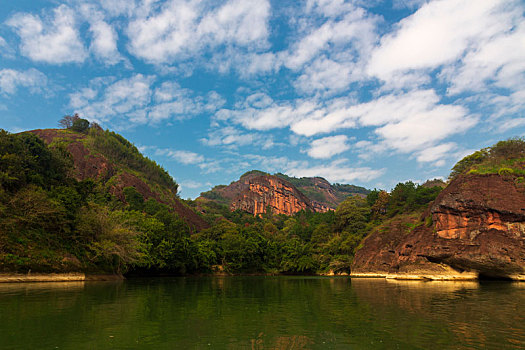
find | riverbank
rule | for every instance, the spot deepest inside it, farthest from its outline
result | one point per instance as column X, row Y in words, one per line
column 460, row 276
column 78, row 276
column 56, row 277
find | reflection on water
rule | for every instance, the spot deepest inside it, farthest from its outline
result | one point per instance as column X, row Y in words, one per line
column 36, row 287
column 262, row 313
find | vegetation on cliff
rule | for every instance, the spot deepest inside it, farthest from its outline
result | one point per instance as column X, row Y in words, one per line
column 305, row 242
column 504, row 158
column 54, row 219
column 319, row 191
column 473, row 229
column 51, row 221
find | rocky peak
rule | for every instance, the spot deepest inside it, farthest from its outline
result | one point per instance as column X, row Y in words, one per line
column 255, row 192
column 477, row 229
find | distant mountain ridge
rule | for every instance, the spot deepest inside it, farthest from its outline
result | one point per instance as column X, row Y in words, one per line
column 320, row 190
column 256, row 191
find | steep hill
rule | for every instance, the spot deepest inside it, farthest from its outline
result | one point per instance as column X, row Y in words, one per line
column 475, row 227
column 322, row 191
column 88, row 202
column 112, row 160
column 256, row 190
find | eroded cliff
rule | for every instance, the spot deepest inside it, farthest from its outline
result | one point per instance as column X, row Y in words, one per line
column 256, row 192
column 475, row 227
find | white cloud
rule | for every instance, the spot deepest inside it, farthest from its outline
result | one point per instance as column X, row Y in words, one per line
column 270, row 117
column 425, row 127
column 118, row 7
column 330, row 53
column 436, row 153
column 511, row 124
column 500, row 61
column 184, row 157
column 258, row 100
column 328, row 8
column 228, row 136
column 11, row 80
column 243, row 22
column 337, row 172
column 184, row 28
column 168, row 91
column 255, row 63
column 5, row 49
column 118, row 98
column 410, row 4
column 176, row 102
column 232, row 138
column 104, row 43
column 325, row 74
column 137, row 100
column 104, row 37
column 191, row 184
column 402, row 122
column 328, row 147
column 443, row 32
column 356, row 28
column 327, row 118
column 53, row 40
column 214, row 101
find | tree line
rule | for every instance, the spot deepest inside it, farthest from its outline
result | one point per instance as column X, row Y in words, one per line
column 49, row 221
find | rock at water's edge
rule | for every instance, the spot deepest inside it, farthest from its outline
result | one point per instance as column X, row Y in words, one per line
column 478, row 229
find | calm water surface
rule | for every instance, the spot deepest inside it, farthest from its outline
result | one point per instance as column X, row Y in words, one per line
column 262, row 313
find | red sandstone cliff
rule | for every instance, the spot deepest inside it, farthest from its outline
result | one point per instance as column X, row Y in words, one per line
column 254, row 193
column 477, row 227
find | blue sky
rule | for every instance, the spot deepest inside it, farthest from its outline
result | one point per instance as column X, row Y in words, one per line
column 364, row 92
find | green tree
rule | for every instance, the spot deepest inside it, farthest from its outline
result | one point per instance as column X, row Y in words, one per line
column 352, row 215
column 134, row 199
column 80, row 125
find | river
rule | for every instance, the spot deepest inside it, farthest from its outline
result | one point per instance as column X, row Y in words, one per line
column 262, row 313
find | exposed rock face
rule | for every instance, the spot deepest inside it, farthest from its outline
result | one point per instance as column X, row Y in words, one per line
column 255, row 193
column 283, row 193
column 269, row 191
column 323, row 193
column 478, row 228
column 96, row 166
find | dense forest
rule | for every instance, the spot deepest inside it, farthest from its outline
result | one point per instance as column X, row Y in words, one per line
column 50, row 221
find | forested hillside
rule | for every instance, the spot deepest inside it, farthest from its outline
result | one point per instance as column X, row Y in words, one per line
column 84, row 199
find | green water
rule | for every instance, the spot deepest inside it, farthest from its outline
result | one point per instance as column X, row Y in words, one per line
column 262, row 313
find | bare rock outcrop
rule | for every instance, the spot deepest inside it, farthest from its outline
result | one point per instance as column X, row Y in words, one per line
column 262, row 192
column 475, row 227
column 255, row 193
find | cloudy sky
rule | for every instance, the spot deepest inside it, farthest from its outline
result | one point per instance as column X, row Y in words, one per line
column 364, row 92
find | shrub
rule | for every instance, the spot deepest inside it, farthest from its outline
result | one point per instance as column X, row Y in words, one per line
column 505, row 171
column 80, row 125
column 511, row 148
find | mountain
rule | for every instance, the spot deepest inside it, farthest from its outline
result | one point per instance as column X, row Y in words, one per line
column 321, row 191
column 85, row 200
column 474, row 228
column 117, row 164
column 256, row 191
